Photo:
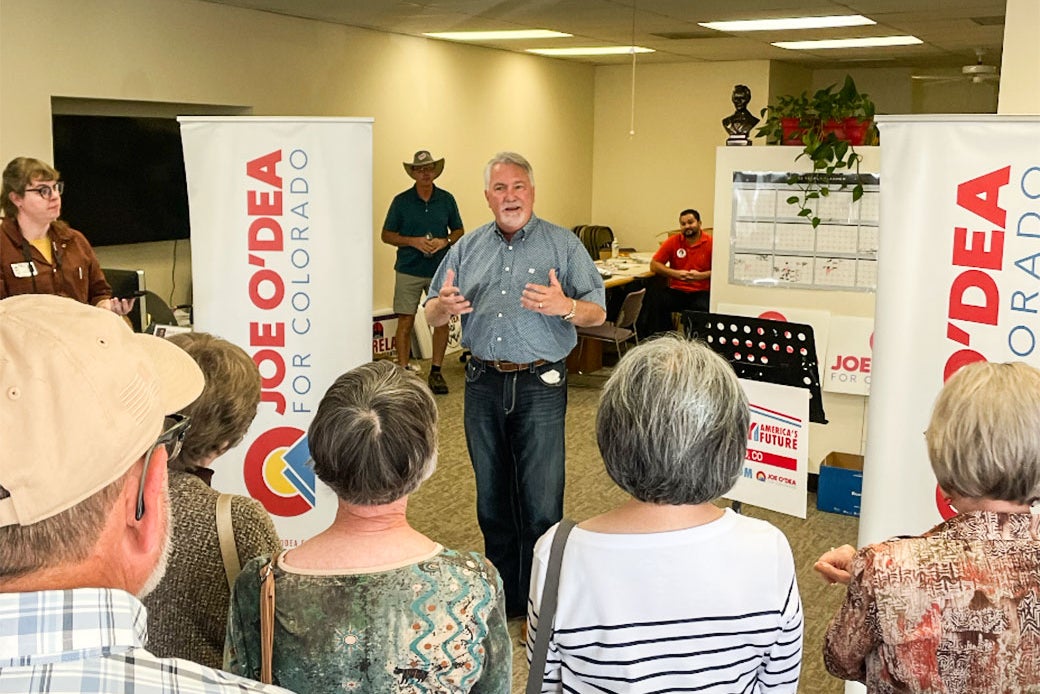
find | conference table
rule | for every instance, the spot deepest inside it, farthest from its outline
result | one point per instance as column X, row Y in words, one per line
column 587, row 355
column 624, row 269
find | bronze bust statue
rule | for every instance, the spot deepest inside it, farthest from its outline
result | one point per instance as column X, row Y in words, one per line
column 740, row 123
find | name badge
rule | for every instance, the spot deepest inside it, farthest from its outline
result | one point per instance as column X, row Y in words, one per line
column 23, row 270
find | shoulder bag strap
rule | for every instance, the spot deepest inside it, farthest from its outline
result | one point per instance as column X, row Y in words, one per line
column 267, row 620
column 547, row 610
column 226, row 537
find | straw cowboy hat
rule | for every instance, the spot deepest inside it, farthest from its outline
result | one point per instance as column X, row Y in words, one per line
column 424, row 158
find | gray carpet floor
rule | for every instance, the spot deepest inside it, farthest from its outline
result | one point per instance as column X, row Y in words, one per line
column 445, row 510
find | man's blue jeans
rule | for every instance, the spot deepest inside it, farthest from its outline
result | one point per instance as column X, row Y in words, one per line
column 515, row 434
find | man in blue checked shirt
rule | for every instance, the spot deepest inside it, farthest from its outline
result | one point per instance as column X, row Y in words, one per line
column 86, row 426
column 521, row 286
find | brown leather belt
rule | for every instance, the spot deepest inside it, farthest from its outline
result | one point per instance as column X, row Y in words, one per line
column 508, row 366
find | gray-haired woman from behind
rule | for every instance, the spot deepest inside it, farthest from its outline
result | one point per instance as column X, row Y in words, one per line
column 958, row 608
column 670, row 592
column 371, row 604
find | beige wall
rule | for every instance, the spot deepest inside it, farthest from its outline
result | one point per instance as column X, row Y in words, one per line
column 461, row 102
column 787, row 78
column 890, row 88
column 1021, row 59
column 640, row 182
column 894, row 91
column 956, row 96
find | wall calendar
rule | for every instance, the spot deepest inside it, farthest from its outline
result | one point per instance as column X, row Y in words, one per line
column 771, row 245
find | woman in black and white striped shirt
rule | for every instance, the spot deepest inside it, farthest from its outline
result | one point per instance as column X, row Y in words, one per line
column 669, row 592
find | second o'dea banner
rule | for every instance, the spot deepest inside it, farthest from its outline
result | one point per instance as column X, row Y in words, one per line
column 958, row 282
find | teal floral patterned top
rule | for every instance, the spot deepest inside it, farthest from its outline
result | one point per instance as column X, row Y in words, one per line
column 436, row 625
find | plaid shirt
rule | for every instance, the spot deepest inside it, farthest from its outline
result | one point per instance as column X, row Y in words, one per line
column 92, row 640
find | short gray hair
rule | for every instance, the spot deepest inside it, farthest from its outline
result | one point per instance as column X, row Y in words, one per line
column 508, row 158
column 984, row 435
column 374, row 436
column 63, row 539
column 672, row 423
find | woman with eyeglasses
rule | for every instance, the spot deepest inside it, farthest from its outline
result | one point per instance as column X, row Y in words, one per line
column 41, row 254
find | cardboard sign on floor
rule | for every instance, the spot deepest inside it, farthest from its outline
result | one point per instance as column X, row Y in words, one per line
column 775, row 467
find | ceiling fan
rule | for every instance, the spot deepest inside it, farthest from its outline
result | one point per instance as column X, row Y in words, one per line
column 976, row 73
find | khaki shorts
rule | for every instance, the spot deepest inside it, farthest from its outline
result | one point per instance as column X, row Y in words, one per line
column 407, row 291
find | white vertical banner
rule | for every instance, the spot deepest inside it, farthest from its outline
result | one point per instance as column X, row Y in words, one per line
column 777, row 459
column 958, row 282
column 281, row 234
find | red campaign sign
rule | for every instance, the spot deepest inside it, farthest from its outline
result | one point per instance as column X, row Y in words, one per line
column 766, row 458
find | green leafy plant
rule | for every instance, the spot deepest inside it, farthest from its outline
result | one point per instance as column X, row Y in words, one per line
column 831, row 159
column 822, row 119
column 788, row 108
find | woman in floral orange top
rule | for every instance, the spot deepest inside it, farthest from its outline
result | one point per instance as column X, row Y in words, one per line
column 957, row 609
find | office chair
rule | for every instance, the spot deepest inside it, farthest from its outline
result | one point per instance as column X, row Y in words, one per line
column 623, row 328
column 157, row 311
column 595, row 238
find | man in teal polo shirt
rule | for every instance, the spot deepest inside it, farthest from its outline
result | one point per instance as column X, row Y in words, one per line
column 422, row 222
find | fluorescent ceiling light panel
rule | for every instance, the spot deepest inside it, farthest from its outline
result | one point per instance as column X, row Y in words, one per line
column 498, row 35
column 788, row 23
column 593, row 50
column 866, row 42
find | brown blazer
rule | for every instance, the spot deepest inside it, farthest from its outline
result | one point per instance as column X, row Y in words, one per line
column 75, row 273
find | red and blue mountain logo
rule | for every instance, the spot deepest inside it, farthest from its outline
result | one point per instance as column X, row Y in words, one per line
column 278, row 472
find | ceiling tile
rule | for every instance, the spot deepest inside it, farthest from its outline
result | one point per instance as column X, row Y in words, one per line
column 945, row 25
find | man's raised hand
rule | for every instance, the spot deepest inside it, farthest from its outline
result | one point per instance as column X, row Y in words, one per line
column 451, row 298
column 546, row 299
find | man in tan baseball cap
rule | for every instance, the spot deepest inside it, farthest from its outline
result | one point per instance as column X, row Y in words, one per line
column 86, row 428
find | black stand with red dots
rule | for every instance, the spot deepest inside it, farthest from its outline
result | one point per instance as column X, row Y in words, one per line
column 763, row 350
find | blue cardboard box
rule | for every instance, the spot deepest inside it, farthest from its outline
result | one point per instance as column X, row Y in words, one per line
column 840, row 484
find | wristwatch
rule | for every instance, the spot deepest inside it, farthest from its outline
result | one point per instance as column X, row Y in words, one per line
column 574, row 309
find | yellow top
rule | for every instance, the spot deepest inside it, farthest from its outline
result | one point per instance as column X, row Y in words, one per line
column 43, row 245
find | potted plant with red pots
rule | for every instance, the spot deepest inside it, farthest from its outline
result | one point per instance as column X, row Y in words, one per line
column 832, row 122
column 785, row 121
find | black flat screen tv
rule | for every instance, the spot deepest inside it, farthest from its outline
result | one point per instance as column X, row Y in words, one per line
column 124, row 178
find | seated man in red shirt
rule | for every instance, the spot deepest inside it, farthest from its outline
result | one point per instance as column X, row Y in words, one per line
column 685, row 259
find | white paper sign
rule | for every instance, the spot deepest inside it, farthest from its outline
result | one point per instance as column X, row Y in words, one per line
column 819, row 320
column 775, row 467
